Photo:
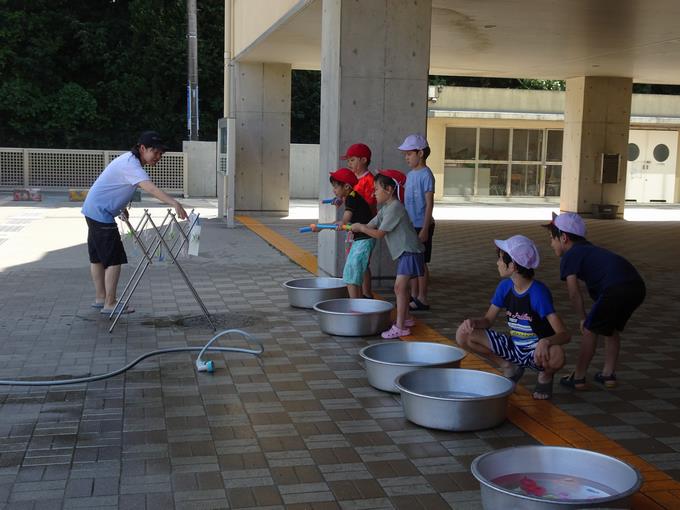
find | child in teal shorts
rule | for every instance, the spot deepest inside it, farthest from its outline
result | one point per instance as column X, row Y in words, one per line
column 357, row 210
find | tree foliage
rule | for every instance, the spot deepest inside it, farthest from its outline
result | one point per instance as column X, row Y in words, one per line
column 94, row 73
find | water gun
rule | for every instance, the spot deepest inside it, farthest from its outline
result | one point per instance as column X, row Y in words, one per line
column 334, row 201
column 324, row 226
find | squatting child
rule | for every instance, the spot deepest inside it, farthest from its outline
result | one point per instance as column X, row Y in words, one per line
column 536, row 331
column 343, row 181
column 419, row 204
column 393, row 224
column 358, row 158
column 615, row 286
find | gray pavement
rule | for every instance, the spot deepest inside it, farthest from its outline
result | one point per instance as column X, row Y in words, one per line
column 298, row 428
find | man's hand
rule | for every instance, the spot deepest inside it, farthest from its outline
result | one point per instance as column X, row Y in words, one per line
column 180, row 211
column 356, row 227
column 542, row 352
column 424, row 234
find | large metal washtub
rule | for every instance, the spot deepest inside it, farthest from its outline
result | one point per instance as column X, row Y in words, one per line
column 306, row 292
column 354, row 317
column 386, row 361
column 621, row 478
column 454, row 399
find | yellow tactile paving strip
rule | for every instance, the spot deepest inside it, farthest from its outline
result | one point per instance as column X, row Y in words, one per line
column 540, row 419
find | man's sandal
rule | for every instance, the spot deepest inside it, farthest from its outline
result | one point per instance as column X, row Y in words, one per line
column 545, row 388
column 609, row 381
column 571, row 382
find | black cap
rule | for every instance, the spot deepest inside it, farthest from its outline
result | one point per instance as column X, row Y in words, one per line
column 152, row 139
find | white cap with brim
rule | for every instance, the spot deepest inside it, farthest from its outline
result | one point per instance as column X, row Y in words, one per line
column 521, row 249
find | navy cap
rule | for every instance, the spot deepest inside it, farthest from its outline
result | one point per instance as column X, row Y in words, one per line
column 152, row 139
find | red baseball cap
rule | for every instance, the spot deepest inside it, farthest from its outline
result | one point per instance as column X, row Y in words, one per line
column 345, row 175
column 394, row 174
column 397, row 177
column 357, row 150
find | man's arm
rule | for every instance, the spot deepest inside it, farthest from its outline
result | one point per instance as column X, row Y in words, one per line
column 161, row 195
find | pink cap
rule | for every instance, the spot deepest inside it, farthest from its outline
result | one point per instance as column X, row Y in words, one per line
column 521, row 249
column 414, row 142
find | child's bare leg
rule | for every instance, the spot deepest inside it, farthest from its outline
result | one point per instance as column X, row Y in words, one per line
column 422, row 286
column 366, row 284
column 612, row 345
column 354, row 291
column 585, row 354
column 413, row 284
column 401, row 291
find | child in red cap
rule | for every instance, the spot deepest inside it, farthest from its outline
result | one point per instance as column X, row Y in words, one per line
column 393, row 224
column 358, row 158
column 343, row 181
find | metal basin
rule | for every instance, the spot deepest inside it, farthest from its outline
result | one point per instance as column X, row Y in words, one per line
column 387, row 361
column 354, row 317
column 454, row 398
column 306, row 292
column 529, row 477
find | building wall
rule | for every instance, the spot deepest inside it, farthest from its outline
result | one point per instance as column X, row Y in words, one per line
column 304, row 170
column 247, row 28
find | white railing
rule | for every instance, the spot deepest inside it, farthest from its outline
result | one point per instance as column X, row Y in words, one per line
column 64, row 169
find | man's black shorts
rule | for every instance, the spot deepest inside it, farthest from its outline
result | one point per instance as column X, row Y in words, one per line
column 614, row 307
column 104, row 244
column 428, row 244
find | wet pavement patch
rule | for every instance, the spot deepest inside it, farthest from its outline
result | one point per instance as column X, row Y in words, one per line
column 220, row 320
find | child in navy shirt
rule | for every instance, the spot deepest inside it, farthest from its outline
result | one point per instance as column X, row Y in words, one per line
column 536, row 331
column 614, row 285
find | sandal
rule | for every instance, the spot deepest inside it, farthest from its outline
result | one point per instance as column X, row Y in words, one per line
column 545, row 388
column 419, row 305
column 575, row 384
column 395, row 332
column 609, row 381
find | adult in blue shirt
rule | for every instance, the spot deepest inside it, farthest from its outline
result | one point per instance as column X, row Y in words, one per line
column 614, row 285
column 107, row 198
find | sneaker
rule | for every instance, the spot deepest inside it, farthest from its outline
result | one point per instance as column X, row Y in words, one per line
column 395, row 332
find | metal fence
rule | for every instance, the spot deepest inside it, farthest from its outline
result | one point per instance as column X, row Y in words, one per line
column 55, row 169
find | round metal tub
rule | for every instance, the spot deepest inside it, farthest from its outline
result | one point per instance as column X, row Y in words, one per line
column 306, row 292
column 354, row 317
column 387, row 361
column 454, row 398
column 530, row 477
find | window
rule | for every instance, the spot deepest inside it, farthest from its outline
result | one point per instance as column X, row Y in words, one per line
column 502, row 161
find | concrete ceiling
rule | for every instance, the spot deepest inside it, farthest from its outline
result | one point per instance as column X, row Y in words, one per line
column 551, row 39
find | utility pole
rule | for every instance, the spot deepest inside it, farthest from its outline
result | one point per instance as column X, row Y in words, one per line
column 192, row 84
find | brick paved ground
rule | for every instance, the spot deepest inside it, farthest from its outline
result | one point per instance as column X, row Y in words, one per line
column 298, row 428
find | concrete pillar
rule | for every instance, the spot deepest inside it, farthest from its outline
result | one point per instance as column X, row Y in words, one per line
column 375, row 57
column 262, row 111
column 596, row 121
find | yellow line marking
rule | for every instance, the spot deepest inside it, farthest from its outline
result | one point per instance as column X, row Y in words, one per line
column 541, row 419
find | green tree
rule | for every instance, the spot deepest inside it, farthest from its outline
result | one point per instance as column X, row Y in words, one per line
column 94, row 73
